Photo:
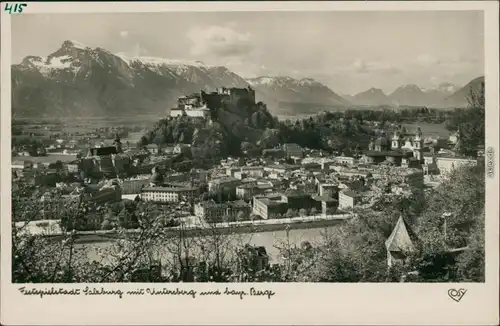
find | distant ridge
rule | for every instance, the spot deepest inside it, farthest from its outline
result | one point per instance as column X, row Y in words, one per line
column 305, row 90
column 460, row 97
column 373, row 96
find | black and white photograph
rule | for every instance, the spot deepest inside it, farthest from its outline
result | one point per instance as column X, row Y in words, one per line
column 253, row 147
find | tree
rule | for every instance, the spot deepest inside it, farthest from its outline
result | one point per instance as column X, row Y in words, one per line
column 37, row 258
column 241, row 216
column 471, row 263
column 245, row 146
column 111, row 220
column 469, row 123
column 106, row 225
column 353, row 252
column 143, row 141
column 454, row 219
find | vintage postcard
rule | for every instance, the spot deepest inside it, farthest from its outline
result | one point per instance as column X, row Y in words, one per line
column 249, row 163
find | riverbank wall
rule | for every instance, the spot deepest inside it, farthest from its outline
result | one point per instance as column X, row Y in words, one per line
column 234, row 228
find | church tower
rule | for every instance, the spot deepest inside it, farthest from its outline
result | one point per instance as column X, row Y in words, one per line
column 418, row 145
column 396, row 140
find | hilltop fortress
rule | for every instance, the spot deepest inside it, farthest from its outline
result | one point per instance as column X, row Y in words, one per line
column 198, row 105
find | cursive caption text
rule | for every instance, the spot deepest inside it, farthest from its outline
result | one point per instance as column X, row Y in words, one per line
column 119, row 293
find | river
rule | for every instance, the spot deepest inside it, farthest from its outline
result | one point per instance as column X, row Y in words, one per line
column 270, row 240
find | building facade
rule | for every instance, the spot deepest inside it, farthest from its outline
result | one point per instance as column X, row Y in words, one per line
column 345, row 160
column 222, row 212
column 329, row 189
column 198, row 105
column 168, row 194
column 446, row 165
column 270, row 206
column 293, row 150
column 228, row 183
column 348, row 199
column 134, row 185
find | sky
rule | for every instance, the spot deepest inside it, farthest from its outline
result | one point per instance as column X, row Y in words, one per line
column 348, row 51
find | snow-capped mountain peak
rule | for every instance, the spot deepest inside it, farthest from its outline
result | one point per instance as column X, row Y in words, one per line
column 308, row 81
column 157, row 61
column 75, row 44
column 72, row 53
column 261, row 81
column 51, row 64
column 306, row 90
column 282, row 81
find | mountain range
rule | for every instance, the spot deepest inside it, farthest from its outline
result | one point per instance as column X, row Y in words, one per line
column 443, row 96
column 416, row 96
column 82, row 81
column 284, row 91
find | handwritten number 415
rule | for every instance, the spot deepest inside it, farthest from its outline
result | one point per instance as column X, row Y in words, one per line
column 15, row 8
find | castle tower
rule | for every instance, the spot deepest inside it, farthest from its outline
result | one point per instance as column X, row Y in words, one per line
column 418, row 145
column 396, row 140
column 251, row 92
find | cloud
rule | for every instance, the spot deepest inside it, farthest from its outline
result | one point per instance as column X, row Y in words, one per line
column 363, row 67
column 435, row 80
column 427, row 60
column 360, row 66
column 124, row 34
column 460, row 58
column 219, row 41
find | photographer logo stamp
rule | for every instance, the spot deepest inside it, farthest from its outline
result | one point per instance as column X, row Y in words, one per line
column 456, row 295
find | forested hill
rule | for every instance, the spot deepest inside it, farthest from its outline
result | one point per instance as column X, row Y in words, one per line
column 221, row 135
